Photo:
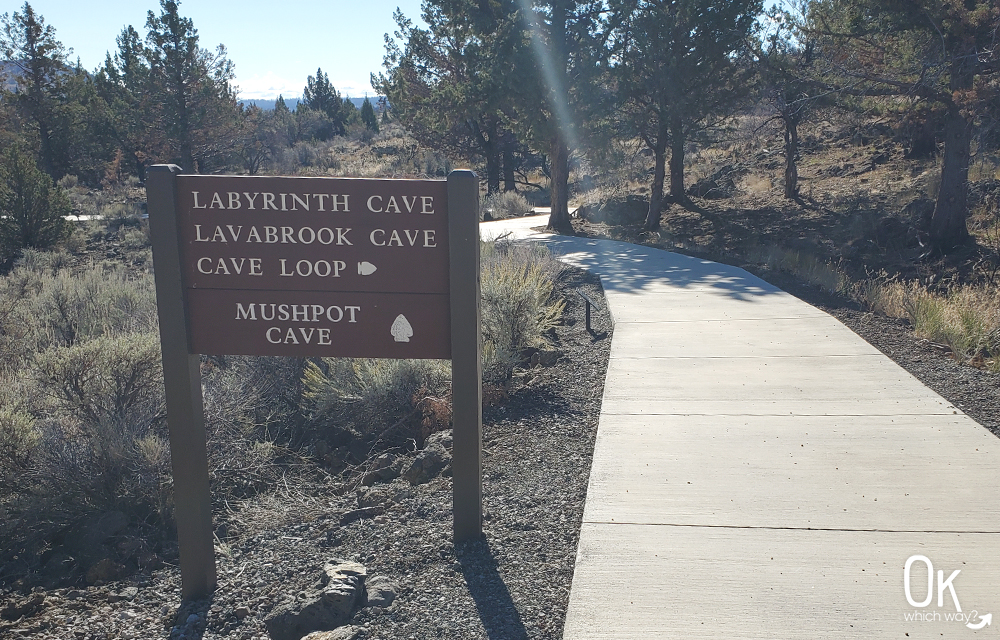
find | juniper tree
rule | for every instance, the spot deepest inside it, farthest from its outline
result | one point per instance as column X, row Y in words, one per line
column 935, row 51
column 32, row 209
column 676, row 71
column 30, row 46
column 192, row 88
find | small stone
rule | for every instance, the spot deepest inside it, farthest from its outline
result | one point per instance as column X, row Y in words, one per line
column 242, row 612
column 343, row 633
column 381, row 591
column 129, row 593
column 358, row 514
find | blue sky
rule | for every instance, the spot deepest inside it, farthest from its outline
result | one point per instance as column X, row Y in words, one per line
column 274, row 45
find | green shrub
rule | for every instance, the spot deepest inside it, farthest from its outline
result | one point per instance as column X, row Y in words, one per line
column 32, row 208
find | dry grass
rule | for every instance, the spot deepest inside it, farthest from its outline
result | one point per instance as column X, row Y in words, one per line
column 965, row 318
column 756, row 184
column 803, row 265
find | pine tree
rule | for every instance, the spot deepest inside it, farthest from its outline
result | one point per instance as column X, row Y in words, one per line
column 280, row 106
column 32, row 209
column 123, row 82
column 449, row 84
column 936, row 51
column 192, row 85
column 321, row 96
column 676, row 71
column 368, row 116
column 31, row 46
column 557, row 92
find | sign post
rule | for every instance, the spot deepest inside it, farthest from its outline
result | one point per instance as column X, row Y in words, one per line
column 182, row 386
column 329, row 267
column 466, row 357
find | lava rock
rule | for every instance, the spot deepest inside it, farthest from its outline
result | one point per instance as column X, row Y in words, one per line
column 381, row 592
column 617, row 211
column 431, row 460
column 323, row 609
column 386, row 467
column 343, row 633
column 105, row 570
column 721, row 184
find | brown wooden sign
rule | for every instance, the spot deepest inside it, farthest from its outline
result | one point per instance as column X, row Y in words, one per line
column 315, row 266
column 312, row 267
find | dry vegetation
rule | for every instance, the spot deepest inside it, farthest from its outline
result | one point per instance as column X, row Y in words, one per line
column 82, row 428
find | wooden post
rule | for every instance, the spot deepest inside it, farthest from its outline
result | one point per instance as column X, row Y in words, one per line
column 466, row 355
column 182, row 382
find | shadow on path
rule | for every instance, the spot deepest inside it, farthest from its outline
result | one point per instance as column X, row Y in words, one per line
column 629, row 268
column 496, row 608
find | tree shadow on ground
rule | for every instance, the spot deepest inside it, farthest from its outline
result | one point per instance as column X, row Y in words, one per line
column 496, row 608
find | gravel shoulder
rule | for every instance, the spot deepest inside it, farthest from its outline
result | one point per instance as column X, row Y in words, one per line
column 513, row 584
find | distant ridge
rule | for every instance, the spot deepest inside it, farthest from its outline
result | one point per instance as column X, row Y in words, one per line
column 268, row 105
column 291, row 103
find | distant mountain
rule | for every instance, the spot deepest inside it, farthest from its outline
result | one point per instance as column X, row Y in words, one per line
column 268, row 105
column 291, row 103
column 9, row 73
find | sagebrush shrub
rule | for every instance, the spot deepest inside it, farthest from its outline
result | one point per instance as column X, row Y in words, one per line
column 18, row 439
column 518, row 305
column 72, row 307
column 368, row 395
column 505, row 204
column 108, row 379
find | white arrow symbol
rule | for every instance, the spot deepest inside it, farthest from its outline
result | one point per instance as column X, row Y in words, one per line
column 366, row 268
column 401, row 330
column 983, row 621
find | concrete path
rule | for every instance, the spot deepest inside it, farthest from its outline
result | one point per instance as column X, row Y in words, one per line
column 762, row 472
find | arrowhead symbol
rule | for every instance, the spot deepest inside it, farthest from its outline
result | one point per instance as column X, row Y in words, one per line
column 401, row 330
column 983, row 621
column 366, row 268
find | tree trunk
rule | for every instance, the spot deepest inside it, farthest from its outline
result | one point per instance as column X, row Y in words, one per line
column 492, row 170
column 948, row 224
column 948, row 228
column 508, row 162
column 791, row 149
column 559, row 186
column 491, row 148
column 656, row 191
column 677, row 161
